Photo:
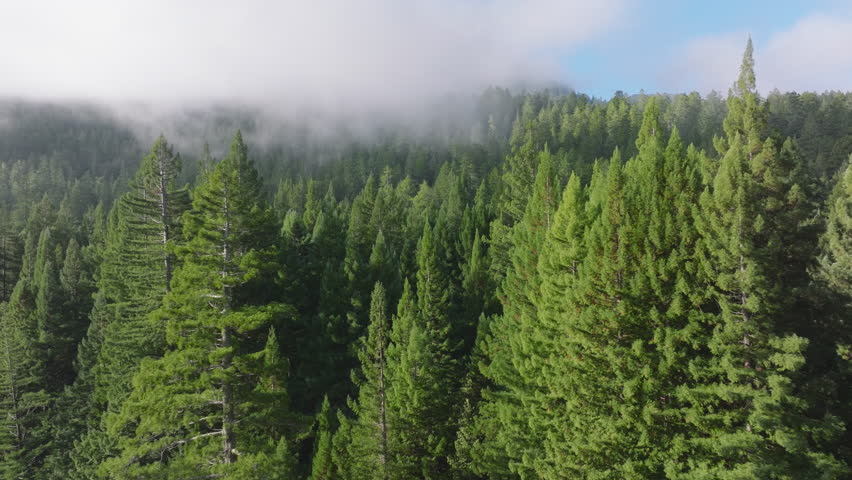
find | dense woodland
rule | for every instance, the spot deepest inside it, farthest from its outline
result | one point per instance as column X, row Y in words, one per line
column 645, row 287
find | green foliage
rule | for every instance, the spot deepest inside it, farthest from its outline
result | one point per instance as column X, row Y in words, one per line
column 747, row 414
column 136, row 269
column 836, row 261
column 369, row 448
column 322, row 460
column 422, row 373
column 218, row 392
column 513, row 338
column 23, row 399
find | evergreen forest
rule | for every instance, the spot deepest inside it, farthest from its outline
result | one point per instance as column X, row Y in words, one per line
column 553, row 287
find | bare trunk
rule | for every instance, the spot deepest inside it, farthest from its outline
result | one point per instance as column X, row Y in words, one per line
column 3, row 270
column 228, row 440
column 164, row 218
column 228, row 443
column 16, row 428
column 382, row 409
column 743, row 301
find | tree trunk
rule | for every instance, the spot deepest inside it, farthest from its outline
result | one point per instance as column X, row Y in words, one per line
column 228, row 442
column 383, row 426
column 164, row 218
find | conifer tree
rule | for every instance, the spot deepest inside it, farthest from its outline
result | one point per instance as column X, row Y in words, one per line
column 402, row 376
column 595, row 361
column 360, row 237
column 218, row 394
column 384, row 267
column 611, row 294
column 50, row 323
column 341, row 460
column 322, row 461
column 9, row 257
column 300, row 275
column 835, row 264
column 478, row 289
column 61, row 305
column 156, row 203
column 135, row 274
column 135, row 255
column 23, row 399
column 834, row 279
column 748, row 418
column 369, row 434
column 153, row 207
column 508, row 346
column 422, row 374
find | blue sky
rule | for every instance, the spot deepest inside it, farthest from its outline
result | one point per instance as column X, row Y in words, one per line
column 640, row 48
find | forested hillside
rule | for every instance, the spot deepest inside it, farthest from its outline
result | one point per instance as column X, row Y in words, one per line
column 558, row 286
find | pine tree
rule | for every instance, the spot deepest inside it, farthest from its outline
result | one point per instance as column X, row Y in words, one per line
column 80, row 441
column 834, row 282
column 518, row 183
column 218, row 393
column 134, row 251
column 9, row 257
column 384, row 267
column 156, row 203
column 369, row 434
column 602, row 331
column 747, row 417
column 614, row 276
column 508, row 347
column 422, row 375
column 300, row 276
column 478, row 289
column 836, row 261
column 341, row 460
column 63, row 303
column 47, row 316
column 23, row 399
column 439, row 365
column 138, row 261
column 322, row 461
column 360, row 237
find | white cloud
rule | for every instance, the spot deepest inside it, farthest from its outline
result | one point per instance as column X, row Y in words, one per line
column 706, row 63
column 816, row 54
column 813, row 55
column 335, row 53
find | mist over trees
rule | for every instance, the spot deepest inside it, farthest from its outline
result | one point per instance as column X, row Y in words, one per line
column 548, row 286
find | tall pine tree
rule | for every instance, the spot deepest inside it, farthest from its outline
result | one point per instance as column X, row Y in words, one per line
column 747, row 417
column 369, row 434
column 513, row 338
column 217, row 397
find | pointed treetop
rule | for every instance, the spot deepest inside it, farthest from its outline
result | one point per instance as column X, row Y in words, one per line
column 425, row 245
column 271, row 352
column 238, row 151
column 746, row 82
column 377, row 299
column 747, row 115
column 161, row 161
column 675, row 141
column 650, row 124
column 205, row 161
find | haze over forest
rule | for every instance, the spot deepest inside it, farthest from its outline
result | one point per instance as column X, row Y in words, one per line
column 392, row 240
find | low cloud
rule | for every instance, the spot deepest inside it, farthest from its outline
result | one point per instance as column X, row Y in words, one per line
column 813, row 55
column 334, row 55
